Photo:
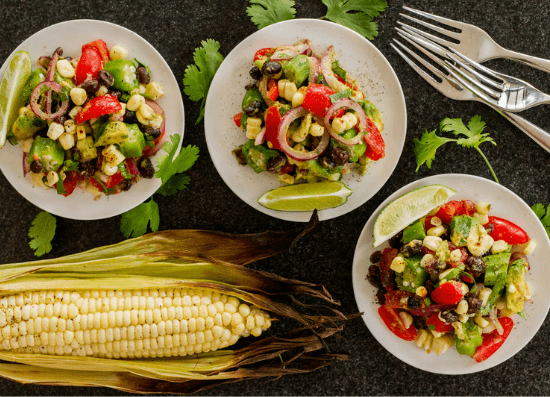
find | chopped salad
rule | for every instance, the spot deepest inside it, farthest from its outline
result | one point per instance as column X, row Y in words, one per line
column 306, row 118
column 91, row 122
column 455, row 277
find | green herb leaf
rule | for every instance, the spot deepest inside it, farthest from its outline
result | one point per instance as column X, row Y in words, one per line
column 337, row 69
column 473, row 132
column 356, row 14
column 198, row 77
column 544, row 216
column 266, row 12
column 41, row 232
column 539, row 210
column 175, row 184
column 425, row 148
column 167, row 166
column 523, row 315
column 339, row 95
column 134, row 222
column 431, row 327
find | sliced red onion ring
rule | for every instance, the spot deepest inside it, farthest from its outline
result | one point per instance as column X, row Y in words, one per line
column 35, row 96
column 284, row 54
column 494, row 320
column 326, row 68
column 260, row 138
column 282, row 138
column 350, row 104
column 50, row 77
column 26, row 166
column 313, row 70
column 262, row 87
column 158, row 110
column 41, row 62
column 303, row 47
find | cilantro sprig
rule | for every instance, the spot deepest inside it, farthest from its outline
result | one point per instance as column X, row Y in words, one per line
column 470, row 136
column 357, row 15
column 544, row 215
column 198, row 77
column 266, row 12
column 41, row 232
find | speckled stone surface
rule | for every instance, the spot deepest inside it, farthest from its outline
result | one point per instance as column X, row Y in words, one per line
column 325, row 255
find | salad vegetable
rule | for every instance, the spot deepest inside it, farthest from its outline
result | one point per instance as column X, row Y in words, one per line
column 454, row 277
column 91, row 122
column 305, row 117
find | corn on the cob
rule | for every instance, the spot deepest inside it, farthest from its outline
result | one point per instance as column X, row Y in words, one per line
column 144, row 323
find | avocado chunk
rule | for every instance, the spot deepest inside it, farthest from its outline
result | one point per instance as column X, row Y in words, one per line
column 472, row 339
column 297, row 69
column 355, row 151
column 49, row 152
column 414, row 231
column 496, row 293
column 36, row 77
column 253, row 94
column 497, row 266
column 26, row 125
column 460, row 229
column 515, row 296
column 413, row 276
column 134, row 145
column 312, row 168
column 442, row 253
column 257, row 157
column 86, row 147
column 114, row 132
column 124, row 73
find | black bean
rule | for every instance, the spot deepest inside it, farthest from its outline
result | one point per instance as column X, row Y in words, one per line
column 326, row 161
column 68, row 58
column 490, row 227
column 238, row 153
column 152, row 132
column 36, row 166
column 61, row 119
column 395, row 241
column 411, row 249
column 374, row 281
column 45, row 62
column 413, row 303
column 374, row 270
column 145, row 167
column 105, row 78
column 129, row 117
column 253, row 108
column 90, row 86
column 430, row 286
column 419, row 322
column 274, row 164
column 476, row 265
column 87, row 168
column 375, row 257
column 272, row 69
column 474, row 305
column 449, row 316
column 126, row 184
column 116, row 93
column 339, row 156
column 255, row 73
column 380, row 298
column 143, row 75
column 59, row 51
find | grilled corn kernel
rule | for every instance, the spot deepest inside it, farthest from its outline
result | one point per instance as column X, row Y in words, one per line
column 421, row 292
column 78, row 96
column 338, row 125
column 481, row 321
column 436, row 231
column 462, row 307
column 442, row 344
column 459, row 332
column 102, row 91
column 483, row 208
column 316, row 130
column 70, row 127
column 154, row 91
column 426, row 259
column 483, row 218
column 118, row 52
column 112, row 155
column 135, row 102
column 406, row 318
column 455, row 255
column 398, row 264
column 74, row 111
column 350, row 119
column 55, row 130
column 435, row 221
column 297, row 99
column 432, row 242
column 52, row 178
column 530, row 247
column 27, row 144
column 109, row 169
column 80, row 132
column 484, row 295
column 67, row 141
column 65, row 69
column 499, row 246
column 252, row 131
column 254, row 121
column 37, row 179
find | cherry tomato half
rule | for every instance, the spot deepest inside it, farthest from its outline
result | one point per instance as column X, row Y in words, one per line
column 507, row 231
column 493, row 341
column 395, row 325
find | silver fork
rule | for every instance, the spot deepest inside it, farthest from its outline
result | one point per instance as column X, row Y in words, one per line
column 452, row 88
column 474, row 42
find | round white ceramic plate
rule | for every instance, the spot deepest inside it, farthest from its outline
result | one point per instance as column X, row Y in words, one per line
column 357, row 55
column 505, row 204
column 71, row 35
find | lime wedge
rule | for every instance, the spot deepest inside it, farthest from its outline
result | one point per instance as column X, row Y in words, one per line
column 17, row 74
column 306, row 196
column 404, row 210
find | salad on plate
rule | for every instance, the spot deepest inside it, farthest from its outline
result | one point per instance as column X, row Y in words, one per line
column 90, row 121
column 306, row 118
column 455, row 277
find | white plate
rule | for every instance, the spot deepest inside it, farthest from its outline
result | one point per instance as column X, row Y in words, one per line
column 357, row 55
column 505, row 204
column 71, row 35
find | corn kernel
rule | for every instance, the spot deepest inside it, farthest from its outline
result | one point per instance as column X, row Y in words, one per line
column 154, row 91
column 135, row 102
column 118, row 52
column 52, row 178
column 66, row 141
column 78, row 96
column 499, row 246
column 55, row 130
column 530, row 247
column 398, row 264
column 483, row 208
column 65, row 69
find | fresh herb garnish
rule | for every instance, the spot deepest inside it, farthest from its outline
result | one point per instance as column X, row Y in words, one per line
column 41, row 232
column 198, row 77
column 544, row 215
column 357, row 15
column 266, row 12
column 336, row 68
column 339, row 95
column 431, row 327
column 134, row 222
column 522, row 314
column 470, row 137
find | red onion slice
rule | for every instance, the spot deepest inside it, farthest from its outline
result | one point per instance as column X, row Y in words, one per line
column 262, row 87
column 41, row 62
column 26, row 166
column 326, row 68
column 350, row 104
column 158, row 110
column 494, row 320
column 260, row 138
column 313, row 70
column 303, row 47
column 282, row 138
column 281, row 55
column 35, row 96
column 50, row 77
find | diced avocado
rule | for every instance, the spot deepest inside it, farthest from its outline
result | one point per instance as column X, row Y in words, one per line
column 26, row 125
column 355, row 151
column 124, row 73
column 297, row 69
column 472, row 339
column 460, row 229
column 49, row 152
column 134, row 145
column 414, row 231
column 364, row 164
column 373, row 113
column 516, row 278
column 314, row 169
column 244, row 121
column 34, row 79
column 442, row 253
column 495, row 294
column 86, row 147
column 114, row 132
column 413, row 276
column 253, row 94
column 497, row 266
column 257, row 157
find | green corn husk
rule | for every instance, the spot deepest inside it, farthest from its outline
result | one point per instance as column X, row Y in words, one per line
column 182, row 259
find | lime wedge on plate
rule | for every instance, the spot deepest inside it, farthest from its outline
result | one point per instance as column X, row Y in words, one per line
column 404, row 210
column 306, row 196
column 17, row 74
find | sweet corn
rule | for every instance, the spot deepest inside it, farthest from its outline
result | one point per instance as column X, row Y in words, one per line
column 78, row 96
column 338, row 125
column 442, row 344
column 432, row 242
column 112, row 155
column 316, row 130
column 74, row 111
column 67, row 141
column 499, row 246
column 530, row 247
column 70, row 127
column 154, row 91
column 135, row 102
column 483, row 208
column 27, row 144
column 65, row 69
column 52, row 178
column 436, row 231
column 462, row 307
column 80, row 132
column 483, row 218
column 398, row 264
column 288, row 179
column 426, row 259
column 350, row 119
column 297, row 99
column 118, row 52
column 125, row 324
column 102, row 91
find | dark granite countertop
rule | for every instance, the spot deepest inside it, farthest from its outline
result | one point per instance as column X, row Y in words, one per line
column 175, row 28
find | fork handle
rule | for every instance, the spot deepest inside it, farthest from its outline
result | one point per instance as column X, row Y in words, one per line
column 535, row 62
column 536, row 133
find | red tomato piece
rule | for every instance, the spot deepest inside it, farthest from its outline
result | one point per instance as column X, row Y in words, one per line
column 428, row 222
column 96, row 184
column 341, row 80
column 448, row 293
column 237, row 119
column 386, row 274
column 272, row 121
column 114, row 180
column 70, row 182
column 101, row 46
column 449, row 210
column 440, row 326
column 468, row 208
column 492, row 341
column 463, row 257
column 131, row 167
column 272, row 89
column 285, row 169
column 264, row 52
column 376, row 147
column 393, row 298
column 98, row 106
column 317, row 99
column 507, row 231
column 88, row 65
column 395, row 325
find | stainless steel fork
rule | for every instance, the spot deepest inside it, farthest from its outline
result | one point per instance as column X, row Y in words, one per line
column 473, row 42
column 451, row 87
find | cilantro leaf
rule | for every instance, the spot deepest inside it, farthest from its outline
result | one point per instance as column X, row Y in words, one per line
column 134, row 222
column 544, row 216
column 198, row 77
column 266, row 12
column 41, row 232
column 473, row 132
column 539, row 210
column 425, row 148
column 166, row 164
column 356, row 14
column 175, row 184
